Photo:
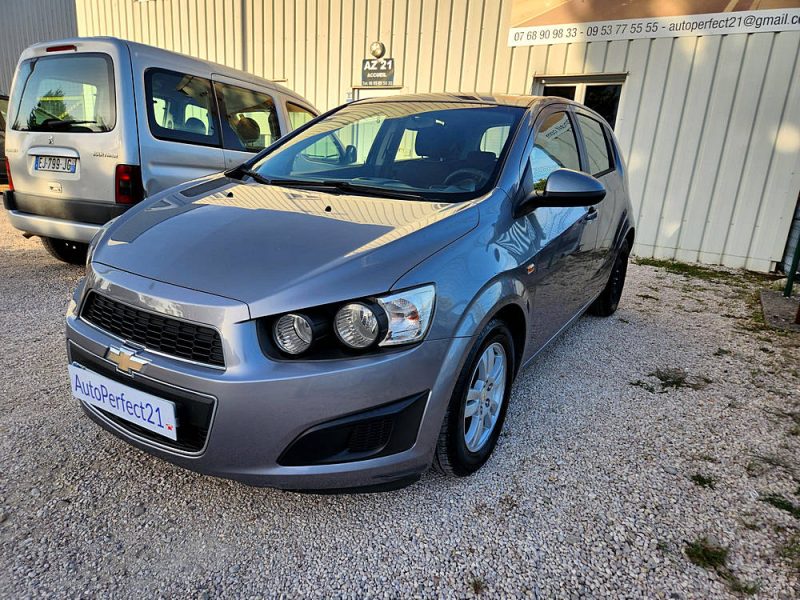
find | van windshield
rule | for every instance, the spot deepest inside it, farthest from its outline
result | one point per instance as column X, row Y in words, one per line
column 432, row 150
column 73, row 93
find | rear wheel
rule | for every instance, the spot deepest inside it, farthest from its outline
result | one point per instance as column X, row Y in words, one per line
column 73, row 253
column 478, row 406
column 607, row 302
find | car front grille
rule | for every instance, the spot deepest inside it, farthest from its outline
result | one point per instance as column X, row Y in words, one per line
column 154, row 332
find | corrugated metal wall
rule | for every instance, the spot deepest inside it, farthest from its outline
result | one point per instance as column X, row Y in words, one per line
column 710, row 125
column 24, row 22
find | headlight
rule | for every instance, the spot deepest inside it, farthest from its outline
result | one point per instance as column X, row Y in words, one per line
column 336, row 330
column 409, row 315
column 293, row 333
column 356, row 325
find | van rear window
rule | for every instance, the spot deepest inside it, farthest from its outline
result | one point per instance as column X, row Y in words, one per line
column 72, row 93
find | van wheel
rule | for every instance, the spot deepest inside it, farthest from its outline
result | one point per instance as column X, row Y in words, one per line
column 607, row 302
column 478, row 406
column 73, row 253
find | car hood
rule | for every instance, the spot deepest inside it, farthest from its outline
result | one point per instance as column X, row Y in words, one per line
column 276, row 248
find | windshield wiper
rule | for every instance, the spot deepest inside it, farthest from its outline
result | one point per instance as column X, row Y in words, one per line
column 347, row 186
column 240, row 171
column 53, row 122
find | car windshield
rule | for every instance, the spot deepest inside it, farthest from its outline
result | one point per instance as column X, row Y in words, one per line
column 449, row 151
column 73, row 93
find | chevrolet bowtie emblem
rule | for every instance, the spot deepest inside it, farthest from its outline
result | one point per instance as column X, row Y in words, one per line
column 126, row 360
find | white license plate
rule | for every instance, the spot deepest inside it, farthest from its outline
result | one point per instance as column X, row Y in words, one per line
column 143, row 409
column 58, row 164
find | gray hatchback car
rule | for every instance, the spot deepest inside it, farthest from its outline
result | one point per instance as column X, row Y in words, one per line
column 352, row 305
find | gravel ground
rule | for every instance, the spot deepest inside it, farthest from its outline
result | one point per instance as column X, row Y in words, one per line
column 604, row 473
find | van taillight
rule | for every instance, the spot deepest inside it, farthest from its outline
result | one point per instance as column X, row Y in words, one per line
column 8, row 174
column 128, row 184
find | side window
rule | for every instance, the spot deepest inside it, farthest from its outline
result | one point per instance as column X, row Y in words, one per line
column 298, row 115
column 181, row 108
column 407, row 150
column 324, row 149
column 360, row 134
column 494, row 139
column 250, row 122
column 554, row 147
column 597, row 146
column 3, row 110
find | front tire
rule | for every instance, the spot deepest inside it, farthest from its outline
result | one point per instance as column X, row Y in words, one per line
column 608, row 300
column 73, row 253
column 478, row 406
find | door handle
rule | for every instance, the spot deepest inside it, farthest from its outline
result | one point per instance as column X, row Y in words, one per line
column 591, row 214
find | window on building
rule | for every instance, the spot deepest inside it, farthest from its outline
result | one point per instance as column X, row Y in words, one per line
column 181, row 108
column 601, row 93
column 298, row 115
column 604, row 100
column 562, row 91
column 597, row 146
column 250, row 120
column 554, row 147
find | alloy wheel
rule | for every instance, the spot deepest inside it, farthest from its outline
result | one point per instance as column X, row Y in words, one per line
column 485, row 396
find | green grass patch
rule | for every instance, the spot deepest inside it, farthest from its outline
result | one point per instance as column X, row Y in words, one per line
column 702, row 272
column 679, row 378
column 705, row 481
column 712, row 557
column 782, row 503
column 705, row 554
column 477, row 585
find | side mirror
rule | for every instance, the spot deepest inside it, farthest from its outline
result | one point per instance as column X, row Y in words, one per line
column 350, row 154
column 565, row 188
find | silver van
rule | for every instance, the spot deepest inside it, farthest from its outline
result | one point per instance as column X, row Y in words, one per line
column 97, row 124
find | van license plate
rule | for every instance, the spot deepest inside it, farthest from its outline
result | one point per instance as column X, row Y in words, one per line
column 58, row 164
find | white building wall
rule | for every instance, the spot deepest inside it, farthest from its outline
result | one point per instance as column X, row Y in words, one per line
column 24, row 22
column 710, row 125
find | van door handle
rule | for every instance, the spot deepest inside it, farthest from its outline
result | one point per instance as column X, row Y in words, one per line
column 591, row 214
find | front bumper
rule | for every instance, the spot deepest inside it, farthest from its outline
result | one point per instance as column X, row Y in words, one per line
column 261, row 406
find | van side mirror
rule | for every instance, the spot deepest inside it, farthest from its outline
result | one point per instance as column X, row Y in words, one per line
column 350, row 154
column 565, row 188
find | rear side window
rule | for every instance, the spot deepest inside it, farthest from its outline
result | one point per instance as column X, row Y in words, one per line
column 181, row 108
column 554, row 147
column 597, row 146
column 72, row 93
column 298, row 115
column 3, row 110
column 250, row 121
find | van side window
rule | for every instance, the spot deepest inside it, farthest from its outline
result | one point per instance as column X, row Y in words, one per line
column 554, row 147
column 298, row 115
column 181, row 108
column 250, row 120
column 597, row 146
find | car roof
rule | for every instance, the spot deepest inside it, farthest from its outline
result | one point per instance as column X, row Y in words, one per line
column 461, row 97
column 152, row 51
column 520, row 100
